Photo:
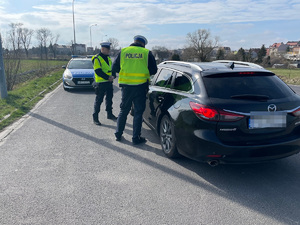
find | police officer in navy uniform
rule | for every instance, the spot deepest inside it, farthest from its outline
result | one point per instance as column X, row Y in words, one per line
column 134, row 64
column 103, row 82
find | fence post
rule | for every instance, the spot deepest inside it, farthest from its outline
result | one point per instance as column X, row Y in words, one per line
column 3, row 87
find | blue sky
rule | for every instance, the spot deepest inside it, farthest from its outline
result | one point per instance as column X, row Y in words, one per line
column 237, row 23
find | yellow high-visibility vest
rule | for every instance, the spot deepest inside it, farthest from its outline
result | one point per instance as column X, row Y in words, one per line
column 134, row 66
column 100, row 63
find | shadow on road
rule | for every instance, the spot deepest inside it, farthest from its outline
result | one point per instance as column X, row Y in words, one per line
column 272, row 189
column 84, row 91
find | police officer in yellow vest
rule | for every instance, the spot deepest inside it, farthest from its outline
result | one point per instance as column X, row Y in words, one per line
column 134, row 64
column 103, row 82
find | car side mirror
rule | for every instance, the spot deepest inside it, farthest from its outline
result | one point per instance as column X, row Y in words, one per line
column 64, row 67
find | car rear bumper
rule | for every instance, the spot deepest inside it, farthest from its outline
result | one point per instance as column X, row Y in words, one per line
column 207, row 147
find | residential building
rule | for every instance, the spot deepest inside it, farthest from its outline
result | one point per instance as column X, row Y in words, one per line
column 80, row 49
column 62, row 49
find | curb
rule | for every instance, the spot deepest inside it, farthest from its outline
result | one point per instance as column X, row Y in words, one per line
column 14, row 126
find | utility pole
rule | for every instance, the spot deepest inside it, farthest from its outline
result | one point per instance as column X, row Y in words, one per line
column 74, row 29
column 3, row 88
column 91, row 34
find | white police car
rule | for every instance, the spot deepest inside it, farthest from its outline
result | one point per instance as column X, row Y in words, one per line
column 79, row 73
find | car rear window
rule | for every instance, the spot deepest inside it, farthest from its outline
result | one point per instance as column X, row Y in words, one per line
column 80, row 64
column 182, row 83
column 244, row 86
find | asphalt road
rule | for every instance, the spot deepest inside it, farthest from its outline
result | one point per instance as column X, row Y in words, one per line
column 56, row 167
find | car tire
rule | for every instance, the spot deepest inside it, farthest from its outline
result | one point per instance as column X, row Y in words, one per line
column 167, row 138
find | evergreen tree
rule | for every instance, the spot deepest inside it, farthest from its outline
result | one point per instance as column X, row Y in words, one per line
column 241, row 55
column 220, row 54
column 261, row 54
column 175, row 57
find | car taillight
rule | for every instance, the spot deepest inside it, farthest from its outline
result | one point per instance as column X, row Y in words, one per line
column 205, row 112
column 227, row 116
column 212, row 114
column 296, row 113
column 246, row 73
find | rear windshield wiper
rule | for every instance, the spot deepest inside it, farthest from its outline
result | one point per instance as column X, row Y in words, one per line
column 251, row 97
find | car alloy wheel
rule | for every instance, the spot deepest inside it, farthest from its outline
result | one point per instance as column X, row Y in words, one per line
column 167, row 137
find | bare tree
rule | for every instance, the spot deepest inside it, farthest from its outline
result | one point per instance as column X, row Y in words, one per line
column 53, row 44
column 162, row 53
column 14, row 37
column 26, row 35
column 43, row 35
column 3, row 86
column 202, row 44
column 188, row 54
column 12, row 55
column 114, row 45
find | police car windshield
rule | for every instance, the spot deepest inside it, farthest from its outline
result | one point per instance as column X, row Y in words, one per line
column 80, row 64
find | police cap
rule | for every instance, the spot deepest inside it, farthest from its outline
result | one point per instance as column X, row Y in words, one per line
column 105, row 45
column 141, row 39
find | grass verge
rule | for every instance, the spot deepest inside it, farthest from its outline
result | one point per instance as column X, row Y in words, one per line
column 289, row 76
column 23, row 98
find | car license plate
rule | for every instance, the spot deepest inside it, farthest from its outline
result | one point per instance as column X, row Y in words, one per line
column 267, row 120
column 83, row 82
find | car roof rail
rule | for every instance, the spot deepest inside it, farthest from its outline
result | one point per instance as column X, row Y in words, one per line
column 252, row 65
column 181, row 63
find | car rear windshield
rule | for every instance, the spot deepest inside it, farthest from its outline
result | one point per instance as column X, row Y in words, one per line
column 80, row 64
column 251, row 87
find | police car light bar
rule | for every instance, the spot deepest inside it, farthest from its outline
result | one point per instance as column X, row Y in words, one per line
column 81, row 56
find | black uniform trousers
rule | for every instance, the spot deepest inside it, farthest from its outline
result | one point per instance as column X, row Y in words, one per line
column 137, row 96
column 101, row 90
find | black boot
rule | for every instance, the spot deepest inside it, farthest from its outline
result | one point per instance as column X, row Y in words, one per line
column 96, row 120
column 138, row 140
column 111, row 116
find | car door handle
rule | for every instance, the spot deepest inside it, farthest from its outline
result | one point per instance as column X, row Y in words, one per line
column 160, row 98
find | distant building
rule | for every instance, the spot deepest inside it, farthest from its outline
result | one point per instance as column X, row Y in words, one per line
column 290, row 50
column 80, row 49
column 293, row 44
column 89, row 50
column 226, row 50
column 62, row 49
column 253, row 52
column 273, row 49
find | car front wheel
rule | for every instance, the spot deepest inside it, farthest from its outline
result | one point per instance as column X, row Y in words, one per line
column 167, row 138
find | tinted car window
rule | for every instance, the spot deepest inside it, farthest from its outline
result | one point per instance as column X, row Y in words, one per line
column 227, row 87
column 164, row 78
column 80, row 64
column 182, row 83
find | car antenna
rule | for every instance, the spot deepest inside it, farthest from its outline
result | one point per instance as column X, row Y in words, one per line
column 230, row 65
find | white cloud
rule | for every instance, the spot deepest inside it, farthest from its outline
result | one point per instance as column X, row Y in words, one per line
column 124, row 19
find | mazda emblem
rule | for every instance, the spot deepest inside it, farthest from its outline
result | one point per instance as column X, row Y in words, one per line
column 272, row 108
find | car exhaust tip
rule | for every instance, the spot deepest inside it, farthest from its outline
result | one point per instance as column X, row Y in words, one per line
column 213, row 163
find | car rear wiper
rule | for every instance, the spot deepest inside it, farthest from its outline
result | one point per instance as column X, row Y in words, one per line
column 251, row 97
